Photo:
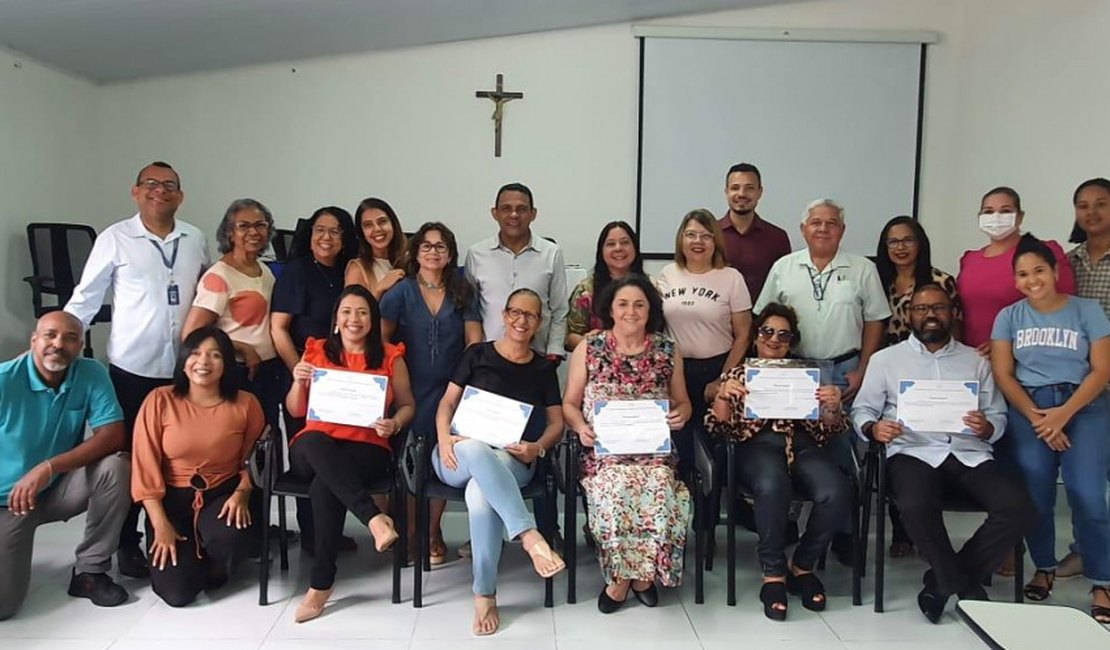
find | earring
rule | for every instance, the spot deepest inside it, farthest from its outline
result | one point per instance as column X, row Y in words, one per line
column 336, row 330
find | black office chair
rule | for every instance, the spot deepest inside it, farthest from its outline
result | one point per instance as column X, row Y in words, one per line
column 875, row 483
column 59, row 252
column 282, row 243
column 708, row 481
column 276, row 482
column 565, row 462
column 425, row 485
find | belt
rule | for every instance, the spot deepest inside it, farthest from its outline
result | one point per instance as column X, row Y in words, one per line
column 840, row 358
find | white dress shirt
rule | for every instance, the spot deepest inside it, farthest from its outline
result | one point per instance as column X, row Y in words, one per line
column 496, row 272
column 146, row 329
column 878, row 399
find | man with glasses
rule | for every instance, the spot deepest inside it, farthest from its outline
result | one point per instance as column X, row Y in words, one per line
column 925, row 467
column 516, row 258
column 151, row 263
column 752, row 245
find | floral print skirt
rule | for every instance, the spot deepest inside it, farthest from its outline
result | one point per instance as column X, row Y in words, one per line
column 639, row 515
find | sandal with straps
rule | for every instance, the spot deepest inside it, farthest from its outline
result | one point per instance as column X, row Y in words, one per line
column 1100, row 613
column 1037, row 593
column 808, row 587
column 771, row 594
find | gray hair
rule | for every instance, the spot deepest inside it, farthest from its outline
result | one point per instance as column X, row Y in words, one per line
column 813, row 205
column 223, row 232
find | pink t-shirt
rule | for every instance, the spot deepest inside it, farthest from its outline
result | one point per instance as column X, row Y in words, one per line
column 699, row 307
column 242, row 304
column 986, row 287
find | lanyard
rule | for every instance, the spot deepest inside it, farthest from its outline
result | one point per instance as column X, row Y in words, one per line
column 172, row 259
column 819, row 286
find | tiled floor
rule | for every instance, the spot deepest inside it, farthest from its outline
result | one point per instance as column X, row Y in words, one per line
column 361, row 615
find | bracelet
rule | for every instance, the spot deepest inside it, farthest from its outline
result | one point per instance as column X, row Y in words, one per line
column 49, row 466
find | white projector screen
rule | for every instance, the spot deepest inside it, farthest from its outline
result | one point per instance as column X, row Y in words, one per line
column 819, row 119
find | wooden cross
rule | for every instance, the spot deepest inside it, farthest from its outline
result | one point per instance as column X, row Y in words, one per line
column 499, row 98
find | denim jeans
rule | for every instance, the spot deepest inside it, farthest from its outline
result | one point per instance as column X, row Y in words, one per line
column 1084, row 468
column 492, row 479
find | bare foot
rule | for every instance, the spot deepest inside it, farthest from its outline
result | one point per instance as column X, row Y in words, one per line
column 545, row 561
column 312, row 605
column 486, row 619
column 381, row 528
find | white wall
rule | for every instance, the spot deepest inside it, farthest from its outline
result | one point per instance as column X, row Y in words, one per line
column 45, row 146
column 1015, row 95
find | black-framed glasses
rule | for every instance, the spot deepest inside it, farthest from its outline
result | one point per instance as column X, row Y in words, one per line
column 515, row 314
column 905, row 242
column 152, row 184
column 940, row 309
column 428, row 247
column 768, row 333
column 320, row 231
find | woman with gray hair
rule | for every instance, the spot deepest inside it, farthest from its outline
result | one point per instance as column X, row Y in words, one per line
column 234, row 295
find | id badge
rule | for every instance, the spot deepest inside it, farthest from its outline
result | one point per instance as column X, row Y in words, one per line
column 173, row 295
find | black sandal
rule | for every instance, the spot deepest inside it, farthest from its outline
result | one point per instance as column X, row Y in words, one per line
column 1037, row 593
column 771, row 594
column 1100, row 613
column 807, row 586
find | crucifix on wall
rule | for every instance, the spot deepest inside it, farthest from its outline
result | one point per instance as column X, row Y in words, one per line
column 499, row 98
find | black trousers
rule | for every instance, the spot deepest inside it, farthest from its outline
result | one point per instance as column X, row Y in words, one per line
column 131, row 390
column 179, row 585
column 764, row 473
column 921, row 492
column 698, row 374
column 338, row 472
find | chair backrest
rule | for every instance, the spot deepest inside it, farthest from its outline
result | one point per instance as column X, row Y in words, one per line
column 59, row 252
column 282, row 243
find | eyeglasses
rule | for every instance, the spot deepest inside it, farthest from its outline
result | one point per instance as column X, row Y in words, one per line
column 428, row 247
column 320, row 231
column 515, row 314
column 152, row 184
column 694, row 236
column 940, row 309
column 244, row 226
column 767, row 333
column 907, row 242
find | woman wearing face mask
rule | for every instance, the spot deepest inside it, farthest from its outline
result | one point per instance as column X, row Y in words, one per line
column 985, row 283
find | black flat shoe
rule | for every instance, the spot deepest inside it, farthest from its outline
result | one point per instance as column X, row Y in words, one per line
column 132, row 563
column 98, row 588
column 649, row 597
column 606, row 605
column 771, row 594
column 808, row 587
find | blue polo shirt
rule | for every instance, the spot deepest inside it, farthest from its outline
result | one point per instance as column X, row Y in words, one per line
column 37, row 422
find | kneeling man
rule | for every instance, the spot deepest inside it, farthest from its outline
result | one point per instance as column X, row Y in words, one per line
column 925, row 467
column 49, row 473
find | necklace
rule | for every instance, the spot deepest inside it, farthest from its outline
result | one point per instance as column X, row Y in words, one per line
column 428, row 285
column 320, row 267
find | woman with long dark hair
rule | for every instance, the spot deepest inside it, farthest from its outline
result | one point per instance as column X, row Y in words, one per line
column 381, row 248
column 617, row 255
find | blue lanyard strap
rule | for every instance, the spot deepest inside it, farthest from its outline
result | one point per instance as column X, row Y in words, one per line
column 172, row 259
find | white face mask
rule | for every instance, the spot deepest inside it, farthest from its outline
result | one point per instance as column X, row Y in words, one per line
column 999, row 225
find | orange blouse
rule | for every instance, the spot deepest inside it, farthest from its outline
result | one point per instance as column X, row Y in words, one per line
column 314, row 354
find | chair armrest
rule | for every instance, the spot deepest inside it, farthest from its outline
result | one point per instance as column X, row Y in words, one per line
column 704, row 460
column 262, row 474
column 412, row 457
column 565, row 453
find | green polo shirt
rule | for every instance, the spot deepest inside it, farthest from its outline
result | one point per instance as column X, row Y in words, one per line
column 38, row 422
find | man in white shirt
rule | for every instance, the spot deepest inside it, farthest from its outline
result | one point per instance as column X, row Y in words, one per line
column 927, row 466
column 151, row 263
column 516, row 258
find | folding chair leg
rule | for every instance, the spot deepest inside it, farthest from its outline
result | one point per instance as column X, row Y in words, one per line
column 730, row 508
column 283, row 542
column 1019, row 572
column 400, row 548
column 570, row 539
column 418, row 561
column 858, row 543
column 880, row 538
column 551, row 519
column 264, row 561
column 699, row 540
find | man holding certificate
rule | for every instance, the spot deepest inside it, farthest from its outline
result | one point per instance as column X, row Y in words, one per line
column 915, row 400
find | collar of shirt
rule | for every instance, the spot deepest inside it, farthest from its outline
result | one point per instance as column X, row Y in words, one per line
column 135, row 228
column 917, row 346
column 1083, row 254
column 498, row 245
column 726, row 223
column 839, row 261
column 35, row 380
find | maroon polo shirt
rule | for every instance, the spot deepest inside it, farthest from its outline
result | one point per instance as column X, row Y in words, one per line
column 753, row 252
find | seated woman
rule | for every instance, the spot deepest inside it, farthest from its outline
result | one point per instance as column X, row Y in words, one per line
column 191, row 440
column 777, row 458
column 339, row 460
column 639, row 509
column 493, row 477
column 1050, row 355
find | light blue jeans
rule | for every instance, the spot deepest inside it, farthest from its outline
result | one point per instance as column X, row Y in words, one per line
column 492, row 479
column 1084, row 469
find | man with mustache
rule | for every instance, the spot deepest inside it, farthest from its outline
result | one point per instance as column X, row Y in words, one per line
column 926, row 466
column 49, row 473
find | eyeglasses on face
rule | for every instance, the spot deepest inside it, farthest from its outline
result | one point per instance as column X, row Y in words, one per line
column 767, row 333
column 695, row 236
column 940, row 309
column 907, row 242
column 151, row 184
column 244, row 226
column 321, row 231
column 515, row 314
column 427, row 247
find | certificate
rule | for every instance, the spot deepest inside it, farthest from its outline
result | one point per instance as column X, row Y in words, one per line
column 936, row 405
column 636, row 426
column 494, row 419
column 346, row 397
column 782, row 393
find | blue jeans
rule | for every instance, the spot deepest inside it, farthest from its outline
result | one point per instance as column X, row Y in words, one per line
column 492, row 479
column 1084, row 468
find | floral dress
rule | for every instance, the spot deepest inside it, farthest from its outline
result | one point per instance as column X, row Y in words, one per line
column 639, row 510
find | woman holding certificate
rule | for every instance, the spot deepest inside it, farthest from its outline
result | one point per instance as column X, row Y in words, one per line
column 191, row 440
column 340, row 459
column 1050, row 354
column 507, row 378
column 777, row 457
column 639, row 509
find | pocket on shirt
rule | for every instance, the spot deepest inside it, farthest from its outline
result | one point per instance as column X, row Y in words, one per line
column 842, row 292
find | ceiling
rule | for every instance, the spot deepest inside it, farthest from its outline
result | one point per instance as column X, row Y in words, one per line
column 116, row 40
